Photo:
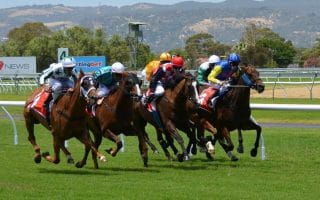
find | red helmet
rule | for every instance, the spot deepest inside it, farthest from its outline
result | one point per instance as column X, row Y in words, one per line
column 177, row 61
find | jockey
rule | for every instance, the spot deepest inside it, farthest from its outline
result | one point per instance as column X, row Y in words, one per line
column 157, row 76
column 161, row 75
column 104, row 78
column 61, row 76
column 205, row 69
column 218, row 76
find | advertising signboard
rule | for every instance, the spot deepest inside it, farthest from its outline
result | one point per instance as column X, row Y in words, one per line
column 18, row 65
column 89, row 63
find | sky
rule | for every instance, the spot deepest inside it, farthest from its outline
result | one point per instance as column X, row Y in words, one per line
column 14, row 3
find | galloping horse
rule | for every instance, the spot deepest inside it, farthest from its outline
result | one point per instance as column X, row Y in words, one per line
column 68, row 119
column 175, row 109
column 233, row 110
column 114, row 116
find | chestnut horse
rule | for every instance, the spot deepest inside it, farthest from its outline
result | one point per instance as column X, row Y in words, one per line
column 233, row 111
column 114, row 116
column 175, row 109
column 68, row 119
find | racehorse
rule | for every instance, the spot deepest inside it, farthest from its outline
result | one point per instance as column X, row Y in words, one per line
column 175, row 109
column 114, row 116
column 233, row 111
column 68, row 119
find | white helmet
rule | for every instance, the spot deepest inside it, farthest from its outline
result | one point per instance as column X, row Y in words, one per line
column 117, row 67
column 68, row 62
column 214, row 59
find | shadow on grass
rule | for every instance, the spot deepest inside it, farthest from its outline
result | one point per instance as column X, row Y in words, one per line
column 105, row 171
column 75, row 172
column 142, row 170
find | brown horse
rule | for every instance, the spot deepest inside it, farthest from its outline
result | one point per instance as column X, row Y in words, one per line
column 175, row 109
column 233, row 111
column 67, row 114
column 114, row 116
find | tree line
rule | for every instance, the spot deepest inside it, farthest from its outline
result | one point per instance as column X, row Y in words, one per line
column 257, row 46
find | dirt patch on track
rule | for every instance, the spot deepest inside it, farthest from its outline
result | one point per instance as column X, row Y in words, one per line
column 285, row 91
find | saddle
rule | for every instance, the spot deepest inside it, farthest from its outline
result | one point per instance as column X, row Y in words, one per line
column 41, row 102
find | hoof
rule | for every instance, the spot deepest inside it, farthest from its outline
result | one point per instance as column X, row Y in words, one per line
column 79, row 165
column 156, row 152
column 253, row 152
column 70, row 161
column 111, row 151
column 103, row 159
column 37, row 158
column 180, row 157
column 209, row 156
column 45, row 154
column 186, row 158
column 234, row 158
column 240, row 149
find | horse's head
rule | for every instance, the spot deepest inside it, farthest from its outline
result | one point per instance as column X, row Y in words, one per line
column 191, row 89
column 134, row 83
column 251, row 78
column 130, row 84
column 87, row 86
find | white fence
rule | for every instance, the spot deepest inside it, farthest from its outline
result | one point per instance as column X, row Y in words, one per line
column 16, row 83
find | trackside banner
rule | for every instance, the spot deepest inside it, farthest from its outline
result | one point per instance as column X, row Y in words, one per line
column 18, row 65
column 89, row 63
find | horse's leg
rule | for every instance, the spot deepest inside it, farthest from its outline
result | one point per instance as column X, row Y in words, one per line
column 170, row 142
column 173, row 131
column 151, row 145
column 143, row 148
column 252, row 125
column 57, row 143
column 240, row 139
column 86, row 140
column 70, row 160
column 163, row 144
column 32, row 139
column 97, row 141
column 223, row 137
column 111, row 136
column 191, row 133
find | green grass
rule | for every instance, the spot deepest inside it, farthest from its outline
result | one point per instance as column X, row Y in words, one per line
column 291, row 170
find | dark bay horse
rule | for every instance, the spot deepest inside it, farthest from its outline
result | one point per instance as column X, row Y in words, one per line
column 233, row 111
column 115, row 114
column 68, row 119
column 175, row 109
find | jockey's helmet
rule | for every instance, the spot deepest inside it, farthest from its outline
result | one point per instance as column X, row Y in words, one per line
column 117, row 67
column 234, row 59
column 68, row 62
column 165, row 57
column 177, row 61
column 214, row 59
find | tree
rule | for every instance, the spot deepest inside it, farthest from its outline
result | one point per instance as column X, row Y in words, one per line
column 144, row 55
column 282, row 51
column 311, row 56
column 203, row 45
column 24, row 34
column 119, row 50
column 257, row 44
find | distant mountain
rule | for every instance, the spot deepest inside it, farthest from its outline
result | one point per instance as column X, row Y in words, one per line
column 168, row 26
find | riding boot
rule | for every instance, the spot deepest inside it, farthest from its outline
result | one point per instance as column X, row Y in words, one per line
column 213, row 102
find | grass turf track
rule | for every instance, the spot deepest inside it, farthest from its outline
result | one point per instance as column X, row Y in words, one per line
column 291, row 170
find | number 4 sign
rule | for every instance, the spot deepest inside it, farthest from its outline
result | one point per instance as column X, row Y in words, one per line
column 62, row 53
